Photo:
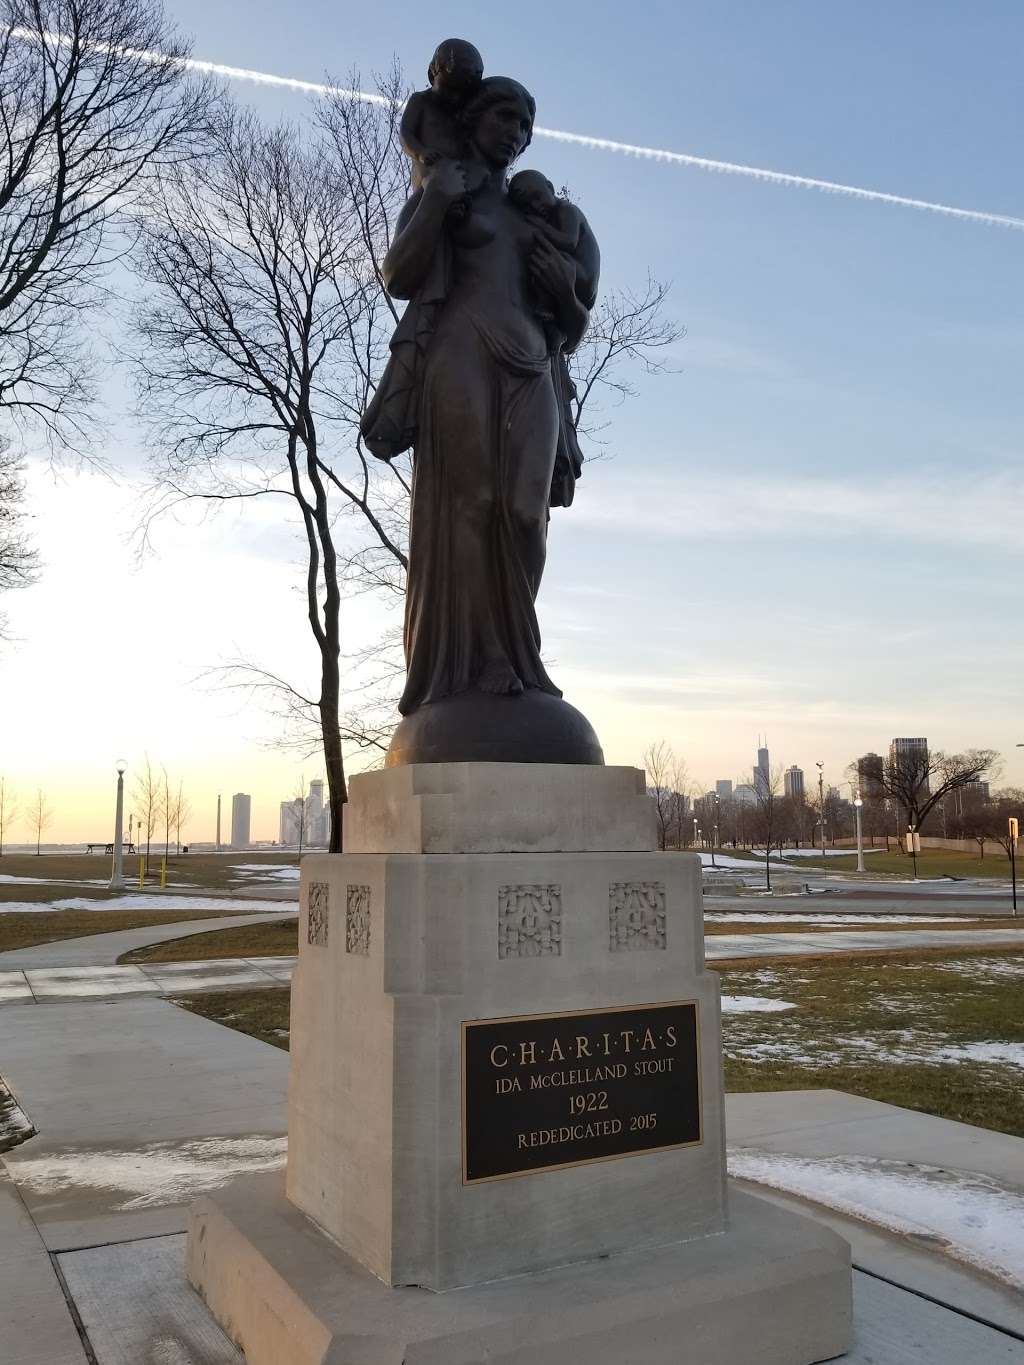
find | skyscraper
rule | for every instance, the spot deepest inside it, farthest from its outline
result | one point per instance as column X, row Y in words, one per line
column 241, row 810
column 869, row 776
column 910, row 758
column 794, row 783
column 762, row 773
column 723, row 789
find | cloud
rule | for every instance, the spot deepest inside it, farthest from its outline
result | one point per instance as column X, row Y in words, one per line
column 981, row 511
column 603, row 144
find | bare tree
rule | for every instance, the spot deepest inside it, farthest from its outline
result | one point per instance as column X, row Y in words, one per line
column 39, row 817
column 659, row 762
column 766, row 812
column 93, row 97
column 147, row 793
column 181, row 810
column 8, row 807
column 918, row 780
column 249, row 369
column 18, row 559
column 629, row 334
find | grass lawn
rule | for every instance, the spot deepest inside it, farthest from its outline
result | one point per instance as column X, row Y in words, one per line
column 276, row 938
column 210, row 871
column 262, row 1014
column 29, row 928
column 941, row 862
column 942, row 1032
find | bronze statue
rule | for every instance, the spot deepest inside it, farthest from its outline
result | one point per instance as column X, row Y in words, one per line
column 499, row 291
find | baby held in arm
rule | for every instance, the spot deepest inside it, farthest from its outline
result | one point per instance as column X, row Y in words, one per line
column 430, row 127
column 561, row 222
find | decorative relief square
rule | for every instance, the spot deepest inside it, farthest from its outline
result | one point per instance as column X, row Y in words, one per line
column 636, row 916
column 316, row 920
column 529, row 921
column 357, row 920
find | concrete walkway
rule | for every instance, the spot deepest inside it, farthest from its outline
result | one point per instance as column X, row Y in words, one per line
column 42, row 985
column 720, row 947
column 101, row 950
column 138, row 1105
column 826, row 1125
column 45, row 984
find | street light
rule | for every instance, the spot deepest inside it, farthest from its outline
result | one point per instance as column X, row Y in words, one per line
column 821, row 806
column 857, row 803
column 117, row 868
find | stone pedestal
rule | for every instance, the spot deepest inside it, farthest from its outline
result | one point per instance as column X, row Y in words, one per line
column 505, row 1090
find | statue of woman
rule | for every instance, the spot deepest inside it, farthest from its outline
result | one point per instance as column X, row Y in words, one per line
column 479, row 390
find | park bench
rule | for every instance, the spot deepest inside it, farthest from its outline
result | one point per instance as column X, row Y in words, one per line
column 108, row 846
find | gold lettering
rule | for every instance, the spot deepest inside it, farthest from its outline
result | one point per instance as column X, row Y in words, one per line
column 557, row 1055
column 670, row 1035
column 649, row 1045
column 523, row 1059
column 582, row 1046
column 627, row 1035
column 499, row 1047
column 607, row 1046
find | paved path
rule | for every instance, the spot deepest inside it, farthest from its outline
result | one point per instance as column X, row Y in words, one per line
column 719, row 947
column 42, row 985
column 138, row 1106
column 830, row 1126
column 101, row 950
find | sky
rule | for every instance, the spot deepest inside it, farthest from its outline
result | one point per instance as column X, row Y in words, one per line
column 811, row 529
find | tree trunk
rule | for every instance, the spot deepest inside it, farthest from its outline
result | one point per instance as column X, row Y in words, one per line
column 337, row 789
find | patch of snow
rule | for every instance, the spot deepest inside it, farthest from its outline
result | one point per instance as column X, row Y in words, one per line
column 979, row 1220
column 1005, row 1054
column 156, row 1174
column 816, row 853
column 990, row 967
column 265, row 872
column 217, row 905
column 754, row 1004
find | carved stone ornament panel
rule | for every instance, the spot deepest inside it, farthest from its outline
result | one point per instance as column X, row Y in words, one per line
column 317, row 920
column 636, row 916
column 357, row 920
column 529, row 921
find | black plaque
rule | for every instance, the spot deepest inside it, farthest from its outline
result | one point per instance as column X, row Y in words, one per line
column 544, row 1091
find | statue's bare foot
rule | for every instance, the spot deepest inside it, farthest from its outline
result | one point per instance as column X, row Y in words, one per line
column 500, row 678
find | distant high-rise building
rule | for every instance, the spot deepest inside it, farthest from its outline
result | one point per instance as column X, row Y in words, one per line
column 723, row 789
column 291, row 822
column 305, row 821
column 318, row 816
column 241, row 811
column 869, row 776
column 745, row 794
column 794, row 783
column 762, row 773
column 910, row 756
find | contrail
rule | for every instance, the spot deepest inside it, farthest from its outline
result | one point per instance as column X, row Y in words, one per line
column 601, row 144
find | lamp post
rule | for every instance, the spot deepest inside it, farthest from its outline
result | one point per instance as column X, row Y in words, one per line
column 857, row 803
column 714, row 832
column 821, row 806
column 117, row 868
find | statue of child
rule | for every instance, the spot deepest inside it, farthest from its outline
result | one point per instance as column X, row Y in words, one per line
column 429, row 129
